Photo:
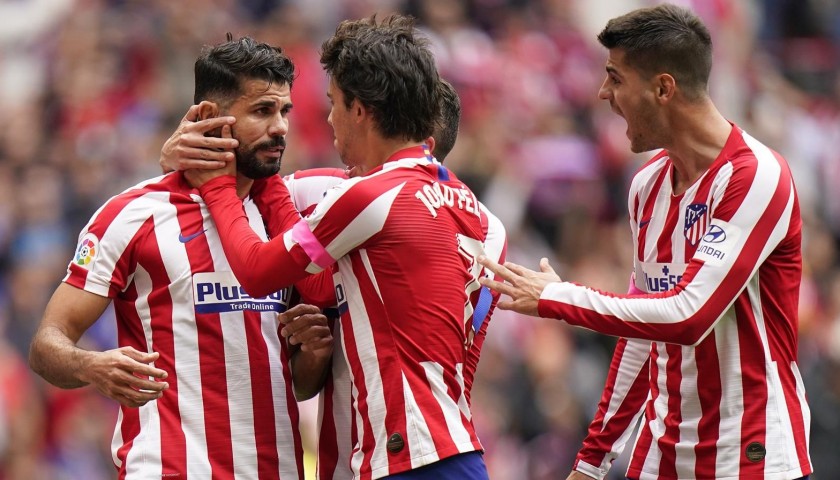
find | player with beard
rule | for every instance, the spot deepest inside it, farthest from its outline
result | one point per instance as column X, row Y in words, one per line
column 201, row 375
column 188, row 147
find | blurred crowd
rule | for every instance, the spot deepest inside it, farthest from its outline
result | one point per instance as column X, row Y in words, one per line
column 90, row 89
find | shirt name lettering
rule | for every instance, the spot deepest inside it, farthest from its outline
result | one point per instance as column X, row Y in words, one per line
column 435, row 196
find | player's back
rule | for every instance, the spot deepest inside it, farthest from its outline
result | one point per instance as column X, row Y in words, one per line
column 403, row 290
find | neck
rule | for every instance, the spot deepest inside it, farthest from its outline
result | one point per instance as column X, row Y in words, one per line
column 379, row 151
column 243, row 185
column 699, row 135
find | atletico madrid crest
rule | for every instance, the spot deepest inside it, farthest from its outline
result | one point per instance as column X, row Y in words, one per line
column 696, row 222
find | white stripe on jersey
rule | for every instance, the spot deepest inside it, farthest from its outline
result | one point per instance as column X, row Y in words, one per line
column 462, row 399
column 373, row 215
column 145, row 453
column 369, row 361
column 729, row 357
column 240, row 402
column 452, row 414
column 420, row 441
column 691, row 412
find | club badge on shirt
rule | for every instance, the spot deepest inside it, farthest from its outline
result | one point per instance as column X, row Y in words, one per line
column 696, row 222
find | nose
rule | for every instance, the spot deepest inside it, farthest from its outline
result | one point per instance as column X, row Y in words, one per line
column 604, row 92
column 279, row 127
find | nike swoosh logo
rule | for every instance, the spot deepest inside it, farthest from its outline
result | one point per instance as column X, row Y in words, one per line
column 643, row 223
column 186, row 238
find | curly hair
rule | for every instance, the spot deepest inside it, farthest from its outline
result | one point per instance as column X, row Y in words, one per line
column 389, row 68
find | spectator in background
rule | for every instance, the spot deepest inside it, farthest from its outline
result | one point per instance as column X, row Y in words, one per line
column 709, row 350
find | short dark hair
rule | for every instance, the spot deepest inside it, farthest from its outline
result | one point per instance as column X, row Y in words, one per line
column 388, row 66
column 220, row 69
column 664, row 39
column 446, row 129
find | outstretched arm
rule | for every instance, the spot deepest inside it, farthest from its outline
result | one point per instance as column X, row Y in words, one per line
column 123, row 374
column 522, row 285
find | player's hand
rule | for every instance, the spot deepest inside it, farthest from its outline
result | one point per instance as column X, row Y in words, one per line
column 522, row 285
column 190, row 147
column 575, row 475
column 126, row 375
column 306, row 326
column 198, row 177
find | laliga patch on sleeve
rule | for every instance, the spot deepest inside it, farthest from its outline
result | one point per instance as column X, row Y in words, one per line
column 86, row 251
column 718, row 243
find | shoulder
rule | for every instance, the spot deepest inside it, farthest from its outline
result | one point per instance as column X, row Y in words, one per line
column 139, row 202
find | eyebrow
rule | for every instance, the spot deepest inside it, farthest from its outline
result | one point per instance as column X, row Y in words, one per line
column 272, row 104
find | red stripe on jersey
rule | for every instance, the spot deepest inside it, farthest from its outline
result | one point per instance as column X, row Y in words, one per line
column 264, row 421
column 128, row 333
column 647, row 211
column 601, row 437
column 214, row 392
column 709, row 393
column 794, row 408
column 645, row 439
column 663, row 243
column 292, row 409
column 213, row 375
column 360, row 400
column 754, row 381
column 327, row 435
column 173, row 450
column 394, row 394
column 667, row 444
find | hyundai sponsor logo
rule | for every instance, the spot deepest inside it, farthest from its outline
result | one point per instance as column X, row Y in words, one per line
column 715, row 234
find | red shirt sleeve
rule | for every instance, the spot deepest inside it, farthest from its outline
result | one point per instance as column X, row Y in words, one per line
column 271, row 197
column 261, row 267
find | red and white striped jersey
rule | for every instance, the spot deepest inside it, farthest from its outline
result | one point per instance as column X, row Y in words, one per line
column 336, row 436
column 229, row 411
column 402, row 244
column 712, row 363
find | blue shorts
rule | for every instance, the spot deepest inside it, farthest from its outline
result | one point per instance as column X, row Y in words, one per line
column 464, row 466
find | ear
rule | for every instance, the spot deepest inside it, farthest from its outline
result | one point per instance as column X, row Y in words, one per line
column 666, row 87
column 431, row 143
column 207, row 109
column 359, row 110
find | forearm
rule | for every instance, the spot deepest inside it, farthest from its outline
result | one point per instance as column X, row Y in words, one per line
column 262, row 267
column 57, row 359
column 275, row 205
column 681, row 316
column 309, row 372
